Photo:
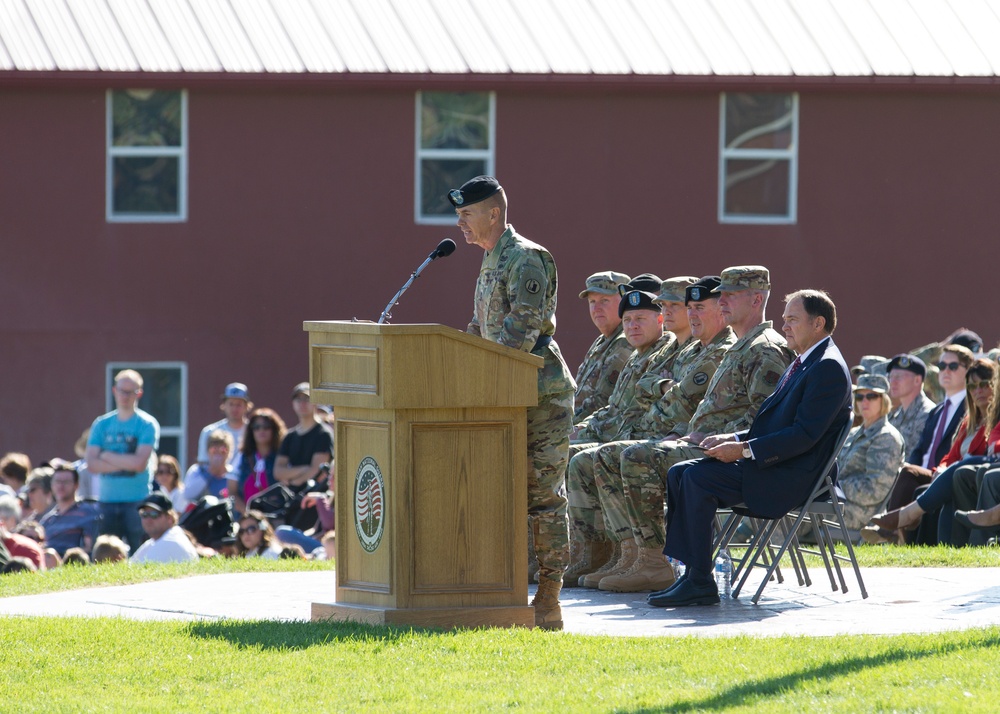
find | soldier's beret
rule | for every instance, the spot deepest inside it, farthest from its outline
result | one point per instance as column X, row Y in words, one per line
column 910, row 363
column 637, row 300
column 704, row 289
column 474, row 191
column 647, row 282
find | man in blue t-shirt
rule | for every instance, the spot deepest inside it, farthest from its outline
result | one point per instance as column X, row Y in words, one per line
column 120, row 452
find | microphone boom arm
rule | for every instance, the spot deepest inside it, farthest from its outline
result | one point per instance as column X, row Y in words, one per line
column 395, row 298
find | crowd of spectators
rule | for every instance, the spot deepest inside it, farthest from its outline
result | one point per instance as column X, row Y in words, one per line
column 120, row 501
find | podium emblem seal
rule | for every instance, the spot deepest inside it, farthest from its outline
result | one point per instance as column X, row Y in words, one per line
column 369, row 504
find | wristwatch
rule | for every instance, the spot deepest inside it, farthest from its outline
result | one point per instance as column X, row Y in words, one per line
column 747, row 454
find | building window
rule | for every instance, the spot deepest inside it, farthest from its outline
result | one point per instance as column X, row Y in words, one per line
column 164, row 395
column 147, row 156
column 456, row 141
column 758, row 158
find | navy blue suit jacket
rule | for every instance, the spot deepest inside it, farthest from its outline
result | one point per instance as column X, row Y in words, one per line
column 795, row 432
column 927, row 436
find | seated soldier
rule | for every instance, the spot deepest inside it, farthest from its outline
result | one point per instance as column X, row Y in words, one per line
column 596, row 377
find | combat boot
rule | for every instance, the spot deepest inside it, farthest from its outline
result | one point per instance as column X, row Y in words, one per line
column 532, row 558
column 548, row 614
column 591, row 555
column 610, row 563
column 651, row 572
column 630, row 551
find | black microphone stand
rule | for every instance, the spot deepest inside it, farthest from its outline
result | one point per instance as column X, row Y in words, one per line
column 444, row 248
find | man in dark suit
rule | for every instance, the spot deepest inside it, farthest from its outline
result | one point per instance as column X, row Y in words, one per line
column 773, row 466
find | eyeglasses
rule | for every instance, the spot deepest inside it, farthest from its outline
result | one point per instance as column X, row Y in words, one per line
column 953, row 366
column 168, row 472
column 262, row 426
column 150, row 513
column 984, row 384
column 870, row 396
column 249, row 530
column 127, row 392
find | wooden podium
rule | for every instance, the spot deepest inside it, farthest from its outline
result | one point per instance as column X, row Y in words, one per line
column 431, row 495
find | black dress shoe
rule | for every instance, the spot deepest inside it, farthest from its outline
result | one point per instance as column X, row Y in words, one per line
column 963, row 518
column 660, row 593
column 688, row 593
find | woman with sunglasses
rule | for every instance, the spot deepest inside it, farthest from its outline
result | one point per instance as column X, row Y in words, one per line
column 168, row 476
column 255, row 538
column 255, row 468
column 872, row 454
column 975, row 441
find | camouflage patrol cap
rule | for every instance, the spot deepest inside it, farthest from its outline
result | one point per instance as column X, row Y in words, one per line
column 745, row 277
column 605, row 283
column 874, row 382
column 647, row 282
column 637, row 300
column 871, row 364
column 909, row 363
column 705, row 289
column 672, row 289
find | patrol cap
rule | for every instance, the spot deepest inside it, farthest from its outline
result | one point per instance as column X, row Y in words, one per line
column 672, row 289
column 474, row 191
column 605, row 283
column 874, row 382
column 637, row 300
column 647, row 282
column 870, row 364
column 705, row 288
column 744, row 277
column 910, row 363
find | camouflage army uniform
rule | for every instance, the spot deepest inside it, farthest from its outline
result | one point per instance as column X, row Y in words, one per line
column 868, row 464
column 910, row 422
column 747, row 375
column 515, row 304
column 930, row 354
column 598, row 373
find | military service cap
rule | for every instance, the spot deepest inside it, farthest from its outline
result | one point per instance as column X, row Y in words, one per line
column 874, row 382
column 672, row 289
column 910, row 363
column 637, row 300
column 605, row 283
column 647, row 282
column 474, row 191
column 745, row 277
column 704, row 289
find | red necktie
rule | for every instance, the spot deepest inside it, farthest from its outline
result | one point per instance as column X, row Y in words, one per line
column 791, row 370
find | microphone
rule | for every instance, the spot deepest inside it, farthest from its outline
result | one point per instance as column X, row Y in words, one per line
column 443, row 250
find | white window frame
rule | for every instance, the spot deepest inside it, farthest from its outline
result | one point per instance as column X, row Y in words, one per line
column 489, row 154
column 791, row 155
column 113, row 368
column 180, row 152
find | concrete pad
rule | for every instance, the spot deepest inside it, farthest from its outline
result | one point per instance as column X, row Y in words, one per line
column 900, row 600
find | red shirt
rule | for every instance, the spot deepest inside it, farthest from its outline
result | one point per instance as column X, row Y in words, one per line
column 978, row 447
column 23, row 547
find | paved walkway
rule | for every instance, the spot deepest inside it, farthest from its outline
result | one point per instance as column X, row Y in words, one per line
column 900, row 600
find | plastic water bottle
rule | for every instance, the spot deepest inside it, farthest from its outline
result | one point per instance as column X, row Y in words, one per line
column 724, row 574
column 677, row 565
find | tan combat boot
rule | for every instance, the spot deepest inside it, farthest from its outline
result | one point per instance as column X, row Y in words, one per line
column 591, row 556
column 651, row 572
column 630, row 551
column 548, row 614
column 609, row 564
column 532, row 558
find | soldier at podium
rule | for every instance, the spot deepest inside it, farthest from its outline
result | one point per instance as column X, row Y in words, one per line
column 515, row 304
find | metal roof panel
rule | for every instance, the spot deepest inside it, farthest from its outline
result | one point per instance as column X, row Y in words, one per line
column 952, row 38
column 801, row 50
column 349, row 36
column 913, row 38
column 22, row 38
column 713, row 38
column 472, row 38
column 879, row 45
column 62, row 36
column 553, row 38
column 753, row 37
column 390, row 36
column 674, row 37
column 268, row 36
column 592, row 37
column 144, row 36
column 832, row 38
column 104, row 37
column 512, row 37
column 309, row 37
column 633, row 36
column 433, row 41
column 981, row 18
column 185, row 35
column 228, row 37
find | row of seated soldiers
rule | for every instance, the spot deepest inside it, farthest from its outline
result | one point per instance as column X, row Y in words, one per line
column 678, row 360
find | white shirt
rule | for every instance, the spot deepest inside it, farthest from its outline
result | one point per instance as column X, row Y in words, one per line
column 172, row 547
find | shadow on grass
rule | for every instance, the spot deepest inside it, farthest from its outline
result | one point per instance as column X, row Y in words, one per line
column 763, row 688
column 297, row 635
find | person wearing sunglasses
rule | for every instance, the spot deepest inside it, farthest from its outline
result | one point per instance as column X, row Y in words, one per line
column 872, row 454
column 168, row 476
column 976, row 438
column 255, row 538
column 167, row 542
column 254, row 471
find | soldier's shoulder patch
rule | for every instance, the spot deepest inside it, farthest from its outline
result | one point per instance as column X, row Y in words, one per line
column 771, row 377
column 532, row 286
column 699, row 379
